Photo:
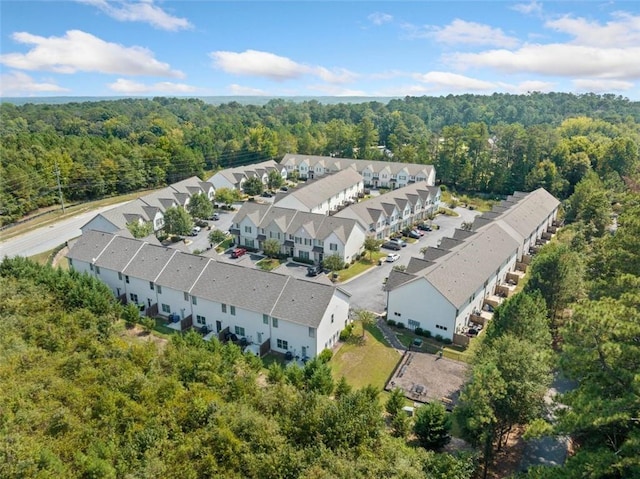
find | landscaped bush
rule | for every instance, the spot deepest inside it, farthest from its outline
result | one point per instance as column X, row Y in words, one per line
column 303, row 260
column 391, row 322
column 447, row 341
column 346, row 333
column 400, row 325
column 438, row 337
column 419, row 331
column 426, row 333
column 325, row 356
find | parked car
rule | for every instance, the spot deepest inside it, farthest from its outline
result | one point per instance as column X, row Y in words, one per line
column 215, row 217
column 266, row 194
column 195, row 231
column 424, row 227
column 236, row 253
column 391, row 245
column 315, row 270
column 413, row 234
column 391, row 257
column 284, row 188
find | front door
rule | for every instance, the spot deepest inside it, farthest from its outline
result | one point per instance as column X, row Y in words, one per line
column 304, row 351
column 259, row 338
column 218, row 326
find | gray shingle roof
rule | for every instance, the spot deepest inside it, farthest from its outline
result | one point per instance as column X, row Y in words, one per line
column 318, row 191
column 342, row 163
column 182, row 271
column 303, row 302
column 234, row 175
column 89, row 246
column 117, row 254
column 149, row 262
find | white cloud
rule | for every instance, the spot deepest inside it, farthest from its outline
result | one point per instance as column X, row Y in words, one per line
column 122, row 85
column 454, row 82
column 623, row 31
column 558, row 59
column 144, row 11
column 379, row 18
column 602, row 86
column 275, row 67
column 461, row 32
column 81, row 51
column 246, row 90
column 528, row 8
column 19, row 83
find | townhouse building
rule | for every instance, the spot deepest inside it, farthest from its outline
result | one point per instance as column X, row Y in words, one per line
column 234, row 178
column 375, row 174
column 325, row 195
column 453, row 290
column 391, row 212
column 267, row 310
column 149, row 208
column 304, row 235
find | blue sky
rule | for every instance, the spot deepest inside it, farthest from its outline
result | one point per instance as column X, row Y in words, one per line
column 313, row 48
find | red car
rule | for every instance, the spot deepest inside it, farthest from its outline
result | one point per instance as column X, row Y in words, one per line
column 236, row 253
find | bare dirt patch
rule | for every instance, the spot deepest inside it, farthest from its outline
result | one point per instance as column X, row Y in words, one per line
column 140, row 334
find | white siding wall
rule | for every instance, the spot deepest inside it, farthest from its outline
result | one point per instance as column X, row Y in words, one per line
column 110, row 278
column 420, row 301
column 328, row 332
column 141, row 288
column 354, row 243
column 175, row 300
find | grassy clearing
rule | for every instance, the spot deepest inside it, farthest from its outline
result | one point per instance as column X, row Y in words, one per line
column 47, row 257
column 161, row 329
column 225, row 245
column 360, row 266
column 369, row 362
column 431, row 346
column 268, row 264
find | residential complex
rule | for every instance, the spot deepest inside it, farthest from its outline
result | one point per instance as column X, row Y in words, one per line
column 267, row 310
column 391, row 212
column 325, row 195
column 234, row 178
column 149, row 208
column 304, row 235
column 375, row 174
column 454, row 288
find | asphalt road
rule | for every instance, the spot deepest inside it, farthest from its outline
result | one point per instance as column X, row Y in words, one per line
column 48, row 237
column 366, row 290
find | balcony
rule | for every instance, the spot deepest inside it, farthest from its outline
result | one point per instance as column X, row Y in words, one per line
column 505, row 290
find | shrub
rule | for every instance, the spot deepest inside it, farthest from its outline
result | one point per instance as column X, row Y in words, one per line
column 391, row 322
column 426, row 333
column 325, row 356
column 443, row 187
column 148, row 324
column 400, row 325
column 447, row 341
column 346, row 333
column 438, row 337
column 419, row 331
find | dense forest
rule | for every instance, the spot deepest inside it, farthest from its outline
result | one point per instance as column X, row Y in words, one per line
column 79, row 397
column 486, row 144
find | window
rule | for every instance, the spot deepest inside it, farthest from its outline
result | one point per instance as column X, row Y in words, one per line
column 397, row 314
column 307, row 241
column 166, row 308
column 97, row 269
column 126, row 279
column 282, row 344
column 298, row 240
column 201, row 319
column 186, row 296
column 333, row 247
column 133, row 297
column 275, row 322
column 119, row 275
column 151, row 287
column 332, row 318
column 159, row 289
column 249, row 242
column 239, row 331
column 312, row 332
column 233, row 310
column 265, row 319
column 444, row 328
column 91, row 266
column 304, row 254
column 224, row 307
column 247, row 229
column 414, row 324
column 71, row 262
column 194, row 300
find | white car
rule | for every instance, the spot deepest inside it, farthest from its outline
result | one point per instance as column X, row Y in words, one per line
column 391, row 257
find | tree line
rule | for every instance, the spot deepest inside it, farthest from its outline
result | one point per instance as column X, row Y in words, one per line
column 488, row 144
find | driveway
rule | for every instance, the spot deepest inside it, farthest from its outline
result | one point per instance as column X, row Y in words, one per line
column 367, row 289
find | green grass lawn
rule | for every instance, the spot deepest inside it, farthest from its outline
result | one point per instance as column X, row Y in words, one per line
column 360, row 266
column 368, row 362
column 222, row 247
column 430, row 345
column 268, row 264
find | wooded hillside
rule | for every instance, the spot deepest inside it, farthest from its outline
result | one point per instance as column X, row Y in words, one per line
column 490, row 144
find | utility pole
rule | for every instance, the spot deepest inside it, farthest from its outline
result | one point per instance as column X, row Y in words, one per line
column 59, row 187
